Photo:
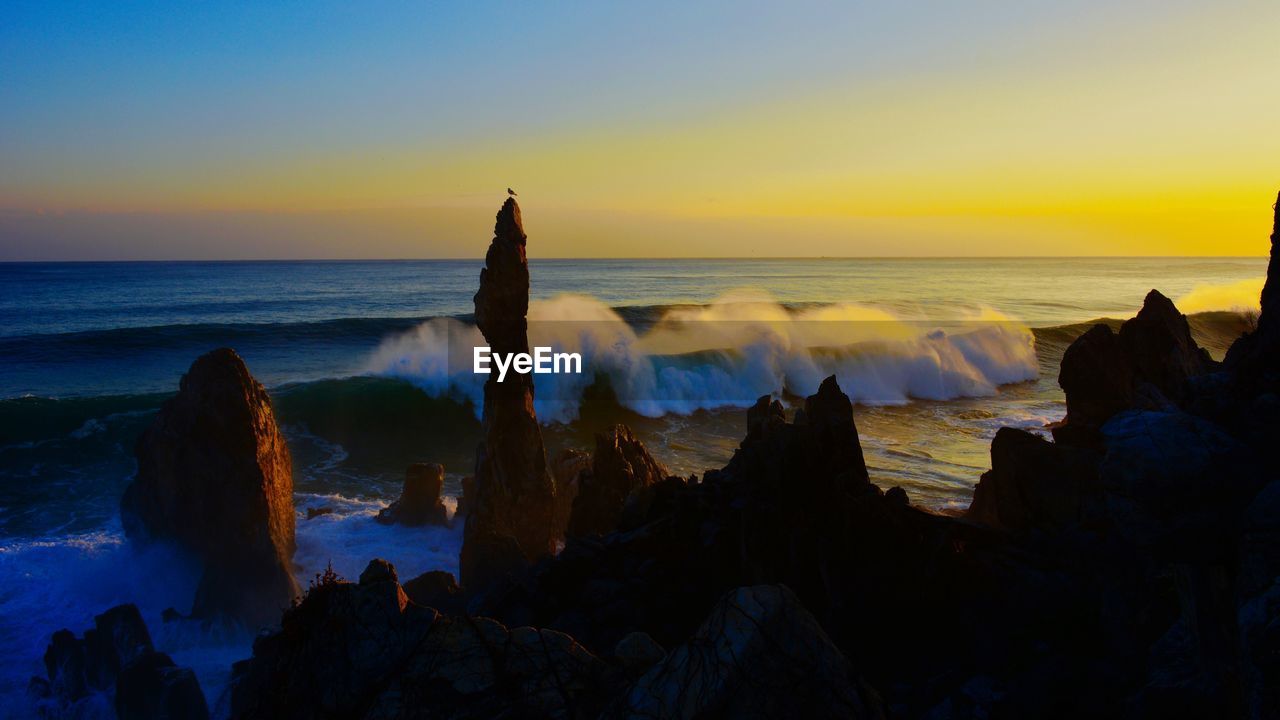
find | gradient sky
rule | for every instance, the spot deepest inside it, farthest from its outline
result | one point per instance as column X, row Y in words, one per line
column 240, row 130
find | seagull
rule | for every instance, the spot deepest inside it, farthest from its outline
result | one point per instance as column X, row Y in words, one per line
column 511, row 192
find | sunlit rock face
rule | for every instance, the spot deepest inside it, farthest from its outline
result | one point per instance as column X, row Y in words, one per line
column 512, row 513
column 215, row 475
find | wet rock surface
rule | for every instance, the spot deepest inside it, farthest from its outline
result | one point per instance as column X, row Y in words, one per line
column 215, row 475
column 419, row 502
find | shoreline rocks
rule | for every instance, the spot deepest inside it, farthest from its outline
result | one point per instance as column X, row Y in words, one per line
column 419, row 502
column 619, row 480
column 215, row 476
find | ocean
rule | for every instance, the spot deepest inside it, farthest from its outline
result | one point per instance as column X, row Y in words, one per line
column 362, row 362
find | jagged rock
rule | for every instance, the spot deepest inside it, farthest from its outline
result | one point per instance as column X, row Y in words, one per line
column 315, row 512
column 515, row 495
column 637, row 652
column 1034, row 484
column 437, row 589
column 467, row 497
column 154, row 688
column 116, row 657
column 1147, row 365
column 214, row 474
column 759, row 654
column 419, row 502
column 621, row 471
column 1256, row 356
column 566, row 467
column 1260, row 542
column 364, row 650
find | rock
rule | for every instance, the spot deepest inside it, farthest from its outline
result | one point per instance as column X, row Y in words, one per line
column 1159, row 345
column 566, row 467
column 437, row 589
column 897, row 496
column 116, row 657
column 154, row 688
column 1256, row 356
column 1260, row 543
column 637, row 652
column 1097, row 379
column 467, row 497
column 621, row 470
column 759, row 654
column 214, row 474
column 364, row 650
column 378, row 571
column 515, row 495
column 419, row 502
column 765, row 416
column 1034, row 484
column 315, row 512
column 1175, row 483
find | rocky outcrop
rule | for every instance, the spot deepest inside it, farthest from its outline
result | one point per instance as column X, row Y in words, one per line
column 214, row 475
column 116, row 658
column 437, row 589
column 566, row 467
column 365, row 651
column 622, row 472
column 1034, row 484
column 514, row 506
column 1147, row 365
column 759, row 654
column 419, row 502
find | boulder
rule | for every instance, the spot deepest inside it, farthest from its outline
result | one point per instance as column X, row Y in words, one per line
column 154, row 688
column 419, row 502
column 1034, row 484
column 214, row 475
column 621, row 471
column 1175, row 484
column 515, row 495
column 116, row 658
column 1097, row 380
column 759, row 654
column 364, row 650
column 637, row 652
column 437, row 589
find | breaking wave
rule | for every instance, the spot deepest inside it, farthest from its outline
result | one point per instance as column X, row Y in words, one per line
column 726, row 354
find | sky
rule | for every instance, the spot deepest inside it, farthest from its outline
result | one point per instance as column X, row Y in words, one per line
column 174, row 130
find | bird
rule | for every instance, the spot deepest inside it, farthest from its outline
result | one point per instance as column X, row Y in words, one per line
column 511, row 192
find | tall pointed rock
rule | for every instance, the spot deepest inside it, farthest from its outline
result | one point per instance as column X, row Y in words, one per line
column 512, row 516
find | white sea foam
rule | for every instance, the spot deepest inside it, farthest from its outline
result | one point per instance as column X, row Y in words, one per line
column 728, row 353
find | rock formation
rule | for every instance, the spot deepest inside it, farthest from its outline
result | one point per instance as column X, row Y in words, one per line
column 622, row 471
column 513, row 512
column 116, row 658
column 364, row 650
column 1036, row 484
column 214, row 475
column 419, row 502
column 1146, row 365
column 759, row 654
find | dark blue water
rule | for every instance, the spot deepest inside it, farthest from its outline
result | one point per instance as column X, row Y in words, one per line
column 88, row 351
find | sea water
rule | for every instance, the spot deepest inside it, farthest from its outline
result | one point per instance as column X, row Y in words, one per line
column 359, row 358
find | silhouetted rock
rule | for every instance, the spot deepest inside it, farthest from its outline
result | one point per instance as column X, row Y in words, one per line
column 419, row 502
column 364, row 650
column 154, row 688
column 515, row 495
column 637, row 652
column 621, row 472
column 214, row 474
column 116, row 658
column 566, row 467
column 1034, row 484
column 759, row 654
column 1147, row 365
column 437, row 589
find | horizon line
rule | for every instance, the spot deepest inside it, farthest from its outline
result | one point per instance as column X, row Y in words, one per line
column 480, row 258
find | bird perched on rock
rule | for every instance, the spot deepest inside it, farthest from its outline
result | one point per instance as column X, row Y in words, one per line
column 511, row 192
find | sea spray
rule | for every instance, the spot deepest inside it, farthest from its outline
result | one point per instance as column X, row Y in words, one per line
column 727, row 354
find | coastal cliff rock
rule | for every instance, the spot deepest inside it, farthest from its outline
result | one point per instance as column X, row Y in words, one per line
column 1147, row 365
column 214, row 475
column 419, row 502
column 567, row 467
column 621, row 473
column 1036, row 484
column 364, row 650
column 513, row 512
column 759, row 654
column 116, row 658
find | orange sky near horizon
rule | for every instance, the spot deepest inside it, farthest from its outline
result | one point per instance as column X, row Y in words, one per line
column 1102, row 133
